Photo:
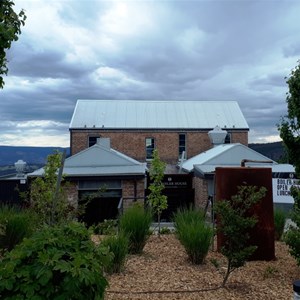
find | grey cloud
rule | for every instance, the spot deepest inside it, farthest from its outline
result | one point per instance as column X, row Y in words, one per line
column 43, row 64
column 196, row 50
column 292, row 50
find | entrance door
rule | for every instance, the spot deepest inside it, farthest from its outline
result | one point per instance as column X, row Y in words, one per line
column 177, row 199
column 98, row 209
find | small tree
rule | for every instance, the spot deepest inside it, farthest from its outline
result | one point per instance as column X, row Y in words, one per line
column 157, row 200
column 47, row 198
column 234, row 223
column 10, row 28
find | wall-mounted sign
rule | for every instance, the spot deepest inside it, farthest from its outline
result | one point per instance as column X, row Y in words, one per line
column 179, row 181
column 282, row 189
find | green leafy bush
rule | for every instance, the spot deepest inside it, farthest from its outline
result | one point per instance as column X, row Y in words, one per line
column 106, row 227
column 292, row 236
column 193, row 233
column 135, row 223
column 15, row 224
column 165, row 230
column 279, row 223
column 118, row 245
column 59, row 262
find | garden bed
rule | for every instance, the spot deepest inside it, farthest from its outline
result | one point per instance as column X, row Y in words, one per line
column 164, row 272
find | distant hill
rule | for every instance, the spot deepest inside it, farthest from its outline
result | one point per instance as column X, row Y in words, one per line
column 274, row 151
column 31, row 155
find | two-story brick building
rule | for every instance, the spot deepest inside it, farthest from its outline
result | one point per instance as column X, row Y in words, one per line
column 135, row 127
column 177, row 129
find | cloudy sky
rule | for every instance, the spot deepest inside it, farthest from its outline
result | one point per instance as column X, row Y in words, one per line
column 162, row 49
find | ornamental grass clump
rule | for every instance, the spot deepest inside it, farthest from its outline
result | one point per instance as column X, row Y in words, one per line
column 193, row 233
column 15, row 224
column 135, row 223
column 279, row 223
column 57, row 262
column 118, row 245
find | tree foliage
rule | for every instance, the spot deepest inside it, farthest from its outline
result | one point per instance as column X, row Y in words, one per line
column 10, row 28
column 51, row 206
column 157, row 200
column 289, row 129
column 289, row 126
column 234, row 223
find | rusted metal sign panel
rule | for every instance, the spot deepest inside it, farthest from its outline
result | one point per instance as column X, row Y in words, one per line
column 262, row 235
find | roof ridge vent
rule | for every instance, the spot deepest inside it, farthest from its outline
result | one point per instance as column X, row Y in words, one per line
column 217, row 136
column 20, row 166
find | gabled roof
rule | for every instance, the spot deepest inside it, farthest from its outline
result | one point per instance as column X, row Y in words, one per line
column 99, row 160
column 143, row 114
column 224, row 155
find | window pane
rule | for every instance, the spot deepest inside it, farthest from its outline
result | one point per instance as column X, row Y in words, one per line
column 93, row 140
column 149, row 147
column 228, row 138
column 182, row 144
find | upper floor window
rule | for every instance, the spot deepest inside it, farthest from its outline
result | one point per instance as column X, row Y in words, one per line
column 93, row 140
column 182, row 144
column 227, row 138
column 150, row 146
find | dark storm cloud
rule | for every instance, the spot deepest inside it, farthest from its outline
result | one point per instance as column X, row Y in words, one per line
column 183, row 50
column 44, row 64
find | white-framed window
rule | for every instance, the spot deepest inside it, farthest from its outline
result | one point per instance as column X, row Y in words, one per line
column 181, row 144
column 150, row 146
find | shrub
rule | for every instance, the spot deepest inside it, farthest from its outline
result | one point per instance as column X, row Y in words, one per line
column 15, row 225
column 59, row 262
column 165, row 230
column 135, row 223
column 118, row 246
column 106, row 227
column 193, row 233
column 279, row 222
column 292, row 236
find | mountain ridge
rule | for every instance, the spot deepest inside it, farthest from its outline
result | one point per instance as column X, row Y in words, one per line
column 38, row 155
column 30, row 154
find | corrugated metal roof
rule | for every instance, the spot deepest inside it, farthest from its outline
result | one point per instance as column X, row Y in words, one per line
column 144, row 114
column 225, row 154
column 99, row 161
column 276, row 168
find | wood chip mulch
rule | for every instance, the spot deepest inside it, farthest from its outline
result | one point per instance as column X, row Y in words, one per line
column 164, row 272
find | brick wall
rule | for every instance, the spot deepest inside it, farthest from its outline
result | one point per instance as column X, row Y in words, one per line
column 128, row 191
column 72, row 193
column 201, row 192
column 133, row 143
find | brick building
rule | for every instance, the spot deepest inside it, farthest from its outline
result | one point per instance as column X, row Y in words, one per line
column 102, row 178
column 177, row 129
column 135, row 128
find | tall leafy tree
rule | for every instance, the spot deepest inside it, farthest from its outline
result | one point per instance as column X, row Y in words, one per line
column 289, row 126
column 10, row 28
column 289, row 129
column 157, row 200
